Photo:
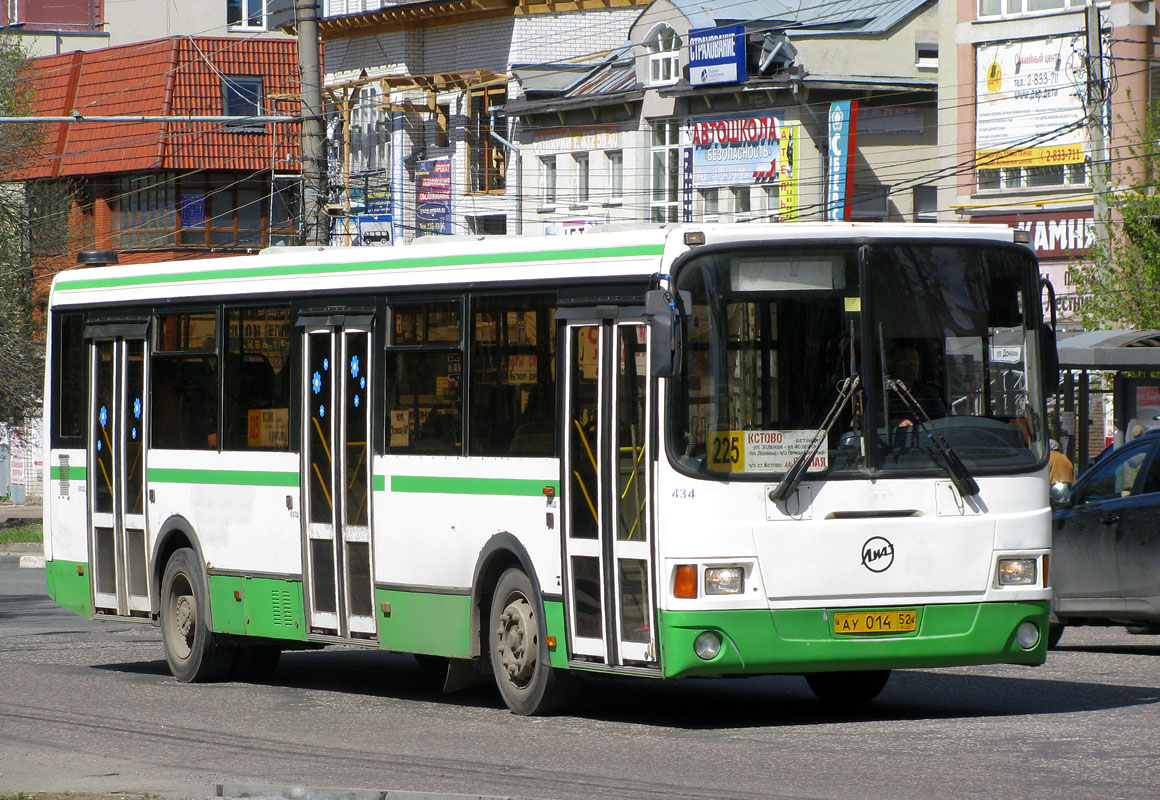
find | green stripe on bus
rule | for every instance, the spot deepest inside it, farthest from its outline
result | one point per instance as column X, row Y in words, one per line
column 288, row 270
column 74, row 473
column 421, row 484
column 223, row 477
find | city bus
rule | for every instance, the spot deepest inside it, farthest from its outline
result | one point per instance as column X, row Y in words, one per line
column 815, row 449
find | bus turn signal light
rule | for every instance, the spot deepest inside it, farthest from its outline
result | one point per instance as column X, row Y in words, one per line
column 685, row 582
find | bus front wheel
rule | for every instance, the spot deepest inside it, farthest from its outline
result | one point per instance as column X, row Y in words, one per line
column 190, row 648
column 848, row 688
column 518, row 653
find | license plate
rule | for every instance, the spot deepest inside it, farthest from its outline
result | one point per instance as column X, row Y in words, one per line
column 875, row 621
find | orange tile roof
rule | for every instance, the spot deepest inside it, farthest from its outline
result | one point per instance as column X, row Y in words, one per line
column 167, row 77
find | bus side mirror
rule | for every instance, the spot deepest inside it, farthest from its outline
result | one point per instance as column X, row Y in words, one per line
column 666, row 340
column 1050, row 359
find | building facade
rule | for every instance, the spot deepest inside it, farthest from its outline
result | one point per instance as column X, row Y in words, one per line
column 154, row 189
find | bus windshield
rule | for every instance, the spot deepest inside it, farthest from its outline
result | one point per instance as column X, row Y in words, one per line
column 942, row 339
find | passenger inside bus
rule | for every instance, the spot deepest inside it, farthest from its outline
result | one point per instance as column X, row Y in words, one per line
column 905, row 364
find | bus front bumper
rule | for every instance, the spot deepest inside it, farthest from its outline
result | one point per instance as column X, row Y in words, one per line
column 757, row 642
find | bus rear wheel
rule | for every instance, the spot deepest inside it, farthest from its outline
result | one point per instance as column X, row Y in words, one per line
column 190, row 648
column 518, row 652
column 848, row 688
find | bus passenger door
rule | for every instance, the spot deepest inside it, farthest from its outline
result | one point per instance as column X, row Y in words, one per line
column 609, row 591
column 336, row 461
column 117, row 419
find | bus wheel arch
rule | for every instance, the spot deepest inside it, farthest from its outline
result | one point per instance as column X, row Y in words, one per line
column 175, row 533
column 501, row 552
column 508, row 607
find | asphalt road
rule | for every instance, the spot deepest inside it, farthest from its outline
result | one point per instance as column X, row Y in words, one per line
column 89, row 706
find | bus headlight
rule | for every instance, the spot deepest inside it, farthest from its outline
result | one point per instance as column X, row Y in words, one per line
column 707, row 645
column 724, row 580
column 1017, row 572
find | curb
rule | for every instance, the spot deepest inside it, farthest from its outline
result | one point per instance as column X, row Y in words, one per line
column 32, row 562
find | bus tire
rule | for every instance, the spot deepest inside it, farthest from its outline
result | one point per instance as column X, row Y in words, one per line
column 518, row 651
column 1054, row 634
column 190, row 648
column 848, row 688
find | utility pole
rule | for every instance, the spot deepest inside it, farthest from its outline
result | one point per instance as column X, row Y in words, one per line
column 1100, row 177
column 315, row 224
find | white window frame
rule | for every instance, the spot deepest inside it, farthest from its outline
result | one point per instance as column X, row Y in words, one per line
column 665, row 171
column 999, row 9
column 615, row 159
column 664, row 55
column 249, row 9
column 581, row 162
column 549, row 174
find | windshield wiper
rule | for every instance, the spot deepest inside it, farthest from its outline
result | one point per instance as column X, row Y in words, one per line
column 940, row 447
column 793, row 475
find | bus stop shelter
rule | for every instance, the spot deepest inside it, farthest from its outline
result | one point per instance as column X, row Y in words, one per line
column 1130, row 360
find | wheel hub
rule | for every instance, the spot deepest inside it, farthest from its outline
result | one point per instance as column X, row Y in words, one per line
column 518, row 641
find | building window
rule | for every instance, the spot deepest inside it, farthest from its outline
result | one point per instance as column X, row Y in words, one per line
column 615, row 174
column 246, row 14
column 443, row 125
column 548, row 179
column 742, row 208
column 486, row 161
column 242, row 97
column 488, row 224
column 216, row 210
column 772, row 202
column 581, row 160
column 666, row 171
column 1032, row 177
column 925, row 204
column 664, row 56
column 710, row 204
column 1017, row 8
column 926, row 55
column 369, row 133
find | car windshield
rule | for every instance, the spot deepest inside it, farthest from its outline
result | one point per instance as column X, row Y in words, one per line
column 895, row 357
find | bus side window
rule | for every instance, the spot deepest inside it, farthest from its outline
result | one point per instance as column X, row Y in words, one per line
column 513, row 376
column 257, row 398
column 424, row 380
column 69, row 392
column 184, row 381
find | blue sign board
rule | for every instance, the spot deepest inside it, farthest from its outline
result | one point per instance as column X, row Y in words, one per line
column 841, row 146
column 717, row 55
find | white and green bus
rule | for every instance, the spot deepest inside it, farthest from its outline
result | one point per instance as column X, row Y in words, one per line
column 816, row 449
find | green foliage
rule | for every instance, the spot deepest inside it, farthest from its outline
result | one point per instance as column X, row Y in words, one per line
column 21, row 344
column 27, row 532
column 1120, row 282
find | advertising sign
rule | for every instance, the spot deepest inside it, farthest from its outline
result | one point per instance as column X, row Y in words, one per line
column 787, row 172
column 1029, row 106
column 840, row 166
column 737, row 150
column 433, row 197
column 1054, row 234
column 717, row 55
